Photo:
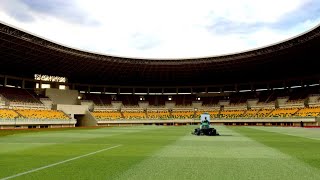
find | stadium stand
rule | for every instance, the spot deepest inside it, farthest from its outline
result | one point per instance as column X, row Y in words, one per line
column 231, row 113
column 8, row 114
column 183, row 100
column 262, row 113
column 18, row 95
column 250, row 113
column 309, row 112
column 213, row 114
column 134, row 114
column 98, row 99
column 111, row 86
column 283, row 112
column 42, row 114
column 180, row 114
column 128, row 100
column 107, row 115
column 158, row 114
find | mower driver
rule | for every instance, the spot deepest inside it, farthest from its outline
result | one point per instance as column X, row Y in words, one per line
column 205, row 124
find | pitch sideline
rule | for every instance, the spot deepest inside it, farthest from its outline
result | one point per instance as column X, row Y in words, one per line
column 58, row 163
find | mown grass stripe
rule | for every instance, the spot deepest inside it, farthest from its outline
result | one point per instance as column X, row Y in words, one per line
column 230, row 156
column 58, row 163
column 304, row 149
column 139, row 144
column 293, row 131
column 150, row 153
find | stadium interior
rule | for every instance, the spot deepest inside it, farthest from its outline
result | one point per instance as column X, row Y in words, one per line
column 46, row 85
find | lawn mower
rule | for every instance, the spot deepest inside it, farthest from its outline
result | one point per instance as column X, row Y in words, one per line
column 205, row 129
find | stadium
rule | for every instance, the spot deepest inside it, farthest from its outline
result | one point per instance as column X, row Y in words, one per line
column 113, row 91
column 69, row 113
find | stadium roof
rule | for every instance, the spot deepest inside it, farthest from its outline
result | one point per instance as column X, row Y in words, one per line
column 23, row 54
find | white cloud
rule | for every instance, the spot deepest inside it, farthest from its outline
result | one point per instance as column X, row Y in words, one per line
column 167, row 28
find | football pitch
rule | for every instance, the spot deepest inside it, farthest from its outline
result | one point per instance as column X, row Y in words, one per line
column 159, row 152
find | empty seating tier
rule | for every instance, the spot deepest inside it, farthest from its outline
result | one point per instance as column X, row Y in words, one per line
column 213, row 114
column 8, row 114
column 309, row 112
column 250, row 113
column 231, row 113
column 19, row 95
column 158, row 114
column 140, row 114
column 107, row 115
column 283, row 112
column 182, row 114
column 42, row 114
column 263, row 113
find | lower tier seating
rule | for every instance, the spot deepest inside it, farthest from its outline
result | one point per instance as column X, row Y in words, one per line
column 182, row 114
column 232, row 113
column 8, row 114
column 134, row 114
column 160, row 114
column 250, row 113
column 283, row 112
column 107, row 115
column 309, row 112
column 42, row 114
column 213, row 114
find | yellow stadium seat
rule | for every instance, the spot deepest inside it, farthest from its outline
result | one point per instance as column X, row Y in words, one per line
column 42, row 114
column 8, row 114
column 107, row 115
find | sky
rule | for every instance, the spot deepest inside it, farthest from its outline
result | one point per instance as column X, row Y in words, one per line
column 163, row 29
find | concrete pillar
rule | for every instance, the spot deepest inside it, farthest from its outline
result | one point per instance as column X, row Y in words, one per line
column 5, row 81
column 23, row 84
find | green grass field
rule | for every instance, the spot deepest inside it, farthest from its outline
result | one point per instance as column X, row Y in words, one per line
column 157, row 152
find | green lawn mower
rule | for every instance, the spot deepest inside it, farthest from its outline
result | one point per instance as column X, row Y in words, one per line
column 205, row 129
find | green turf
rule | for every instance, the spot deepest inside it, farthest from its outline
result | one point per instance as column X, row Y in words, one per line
column 300, row 143
column 150, row 152
column 6, row 132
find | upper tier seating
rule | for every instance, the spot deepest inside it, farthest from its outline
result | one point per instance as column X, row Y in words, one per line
column 156, row 100
column 98, row 99
column 184, row 100
column 19, row 95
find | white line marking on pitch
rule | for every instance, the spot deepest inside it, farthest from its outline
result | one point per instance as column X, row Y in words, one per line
column 58, row 163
